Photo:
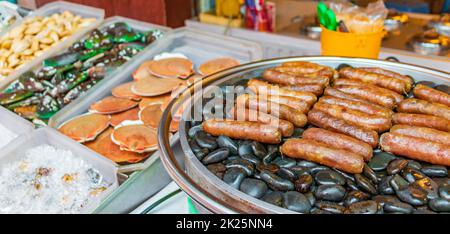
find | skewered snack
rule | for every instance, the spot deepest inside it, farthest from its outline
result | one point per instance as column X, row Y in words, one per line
column 432, row 95
column 244, row 130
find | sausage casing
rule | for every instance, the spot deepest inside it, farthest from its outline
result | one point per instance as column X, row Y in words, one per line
column 416, row 148
column 286, row 128
column 408, row 80
column 421, row 120
column 387, row 82
column 243, row 130
column 432, row 95
column 325, row 121
column 314, row 89
column 417, row 106
column 387, row 92
column 357, row 105
column 320, row 153
column 259, row 86
column 339, row 141
column 357, row 118
column 338, row 94
column 287, row 79
column 278, row 110
column 422, row 132
column 368, row 94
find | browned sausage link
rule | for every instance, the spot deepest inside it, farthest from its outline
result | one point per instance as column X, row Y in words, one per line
column 262, row 87
column 387, row 82
column 315, row 89
column 299, row 71
column 408, row 80
column 287, row 79
column 432, row 95
column 323, row 120
column 416, row 148
column 243, row 130
column 420, row 120
column 259, row 86
column 417, row 106
column 293, row 102
column 398, row 97
column 339, row 141
column 306, row 67
column 368, row 95
column 320, row 153
column 357, row 105
column 358, row 118
column 338, row 94
column 422, row 132
column 286, row 128
column 279, row 110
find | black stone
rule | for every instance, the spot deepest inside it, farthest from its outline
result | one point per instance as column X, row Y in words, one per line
column 251, row 158
column 329, row 177
column 364, row 184
column 413, row 195
column 414, row 164
column 384, row 186
column 355, row 196
column 273, row 152
column 435, row 171
column 245, row 148
column 192, row 131
column 370, row 174
column 303, row 184
column 330, row 193
column 430, row 84
column 311, row 198
column 443, row 88
column 273, row 168
column 226, row 142
column 205, row 140
column 299, row 170
column 363, row 207
column 423, row 210
column 345, row 175
column 429, row 186
column 330, row 207
column 439, row 205
column 298, row 132
column 296, row 201
column 285, row 162
column 307, row 164
column 287, row 174
column 411, row 174
column 383, row 199
column 234, row 177
column 275, row 182
column 380, row 161
column 216, row 156
column 398, row 183
column 253, row 187
column 396, row 166
column 274, row 197
column 444, row 191
column 398, row 207
column 317, row 169
column 217, row 169
column 243, row 164
column 351, row 184
column 258, row 149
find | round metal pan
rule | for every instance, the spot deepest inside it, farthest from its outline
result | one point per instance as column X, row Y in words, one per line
column 196, row 180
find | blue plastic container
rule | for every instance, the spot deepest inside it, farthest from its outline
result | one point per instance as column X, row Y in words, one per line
column 415, row 6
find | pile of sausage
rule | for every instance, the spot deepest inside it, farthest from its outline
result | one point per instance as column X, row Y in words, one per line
column 357, row 106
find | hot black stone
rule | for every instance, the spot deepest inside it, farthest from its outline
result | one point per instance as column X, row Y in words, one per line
column 444, row 191
column 226, row 142
column 429, row 186
column 329, row 177
column 443, row 88
column 317, row 169
column 311, row 198
column 258, row 149
column 413, row 195
column 351, row 185
column 253, row 187
column 307, row 164
column 363, row 207
column 345, row 175
column 398, row 207
column 355, row 196
column 398, row 183
column 410, row 174
column 285, row 162
column 414, row 164
column 299, row 170
column 234, row 177
column 430, row 84
column 205, row 141
column 380, row 161
column 271, row 155
column 217, row 169
column 192, row 131
column 274, row 197
column 435, row 171
column 216, row 156
column 330, row 193
column 287, row 174
column 275, row 182
column 243, row 164
column 439, row 205
column 245, row 148
column 251, row 158
column 364, row 184
column 370, row 174
column 330, row 207
column 304, row 183
column 272, row 168
column 396, row 166
column 296, row 201
column 383, row 199
column 384, row 186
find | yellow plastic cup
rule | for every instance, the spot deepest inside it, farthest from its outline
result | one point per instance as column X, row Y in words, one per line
column 366, row 45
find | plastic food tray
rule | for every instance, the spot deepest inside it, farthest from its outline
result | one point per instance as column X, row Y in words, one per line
column 198, row 46
column 49, row 9
column 14, row 123
column 18, row 147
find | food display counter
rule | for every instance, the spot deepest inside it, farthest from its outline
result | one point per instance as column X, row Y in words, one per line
column 101, row 116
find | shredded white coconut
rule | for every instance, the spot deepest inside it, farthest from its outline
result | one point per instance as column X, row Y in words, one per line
column 48, row 180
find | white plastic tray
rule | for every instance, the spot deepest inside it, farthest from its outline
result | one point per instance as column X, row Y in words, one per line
column 49, row 9
column 14, row 123
column 16, row 150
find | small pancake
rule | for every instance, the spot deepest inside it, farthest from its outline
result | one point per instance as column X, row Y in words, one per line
column 171, row 68
column 112, row 105
column 142, row 72
column 137, row 138
column 132, row 114
column 124, row 91
column 216, row 65
column 150, row 87
column 151, row 115
column 85, row 127
column 147, row 101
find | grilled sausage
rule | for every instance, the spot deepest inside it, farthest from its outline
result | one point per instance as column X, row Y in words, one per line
column 243, row 130
column 279, row 110
column 304, row 66
column 320, row 153
column 259, row 86
column 298, row 71
column 417, row 106
column 408, row 80
column 325, row 121
column 286, row 128
column 387, row 82
column 338, row 94
column 314, row 89
column 368, row 94
column 420, row 120
column 422, row 132
column 432, row 95
column 293, row 102
column 416, row 148
column 287, row 79
column 357, row 105
column 339, row 141
column 357, row 118
column 398, row 97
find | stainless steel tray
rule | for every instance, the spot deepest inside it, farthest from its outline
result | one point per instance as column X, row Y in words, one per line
column 204, row 187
